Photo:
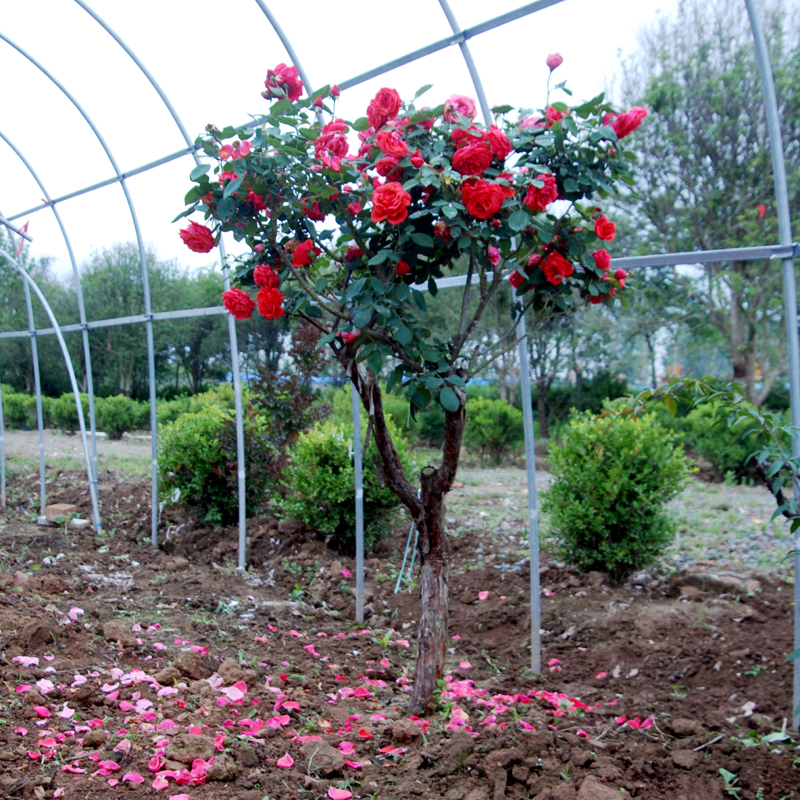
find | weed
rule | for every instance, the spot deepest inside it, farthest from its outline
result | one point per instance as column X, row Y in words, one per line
column 730, row 780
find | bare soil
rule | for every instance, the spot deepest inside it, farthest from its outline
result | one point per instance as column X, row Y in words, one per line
column 177, row 659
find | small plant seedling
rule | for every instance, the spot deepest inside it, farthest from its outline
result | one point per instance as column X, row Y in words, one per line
column 756, row 670
column 297, row 592
column 730, row 780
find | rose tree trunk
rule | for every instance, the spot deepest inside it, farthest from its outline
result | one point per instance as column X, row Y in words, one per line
column 428, row 514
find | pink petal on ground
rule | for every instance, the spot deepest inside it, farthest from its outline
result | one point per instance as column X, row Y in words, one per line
column 291, row 705
column 648, row 723
column 71, row 768
column 21, row 731
column 456, row 638
column 620, row 720
column 285, row 761
column 179, row 797
column 112, row 782
column 552, row 662
column 34, row 755
column 155, row 763
column 464, row 665
column 74, row 613
column 45, row 686
column 402, row 642
column 58, row 793
column 601, row 675
column 345, row 572
column 295, row 633
column 527, row 726
column 582, row 733
column 483, row 595
column 26, row 661
column 160, row 782
column 353, row 764
column 24, row 687
column 109, row 765
column 41, row 711
column 336, row 794
column 362, row 692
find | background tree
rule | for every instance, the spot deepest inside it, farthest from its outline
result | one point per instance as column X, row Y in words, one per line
column 704, row 171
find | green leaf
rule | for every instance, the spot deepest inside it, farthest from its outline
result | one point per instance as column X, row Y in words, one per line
column 233, row 186
column 451, row 212
column 793, row 655
column 361, row 124
column 422, row 239
column 419, row 299
column 321, row 285
column 432, row 287
column 449, row 399
column 377, row 285
column 502, row 109
column 421, row 91
column 672, row 405
column 519, row 220
column 362, row 318
column 379, row 258
column 404, row 335
column 199, row 171
column 375, row 362
column 226, row 208
column 184, row 214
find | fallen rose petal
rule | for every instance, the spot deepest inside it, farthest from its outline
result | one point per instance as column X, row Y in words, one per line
column 21, row 731
column 160, row 782
column 464, row 665
column 285, row 761
column 601, row 675
column 179, row 797
column 483, row 595
column 58, row 793
column 336, row 794
column 582, row 733
column 26, row 661
column 34, row 755
column 112, row 782
column 353, row 764
column 109, row 765
column 41, row 711
column 345, row 572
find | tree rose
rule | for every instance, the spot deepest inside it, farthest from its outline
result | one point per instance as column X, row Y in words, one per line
column 537, row 199
column 554, row 61
column 390, row 202
column 416, row 159
column 472, row 159
column 481, row 199
column 269, row 303
column 331, row 145
column 391, row 144
column 283, row 81
column 602, row 259
column 442, row 230
column 500, row 143
column 626, row 123
column 387, row 166
column 304, row 253
column 383, row 107
column 265, row 276
column 458, row 105
column 556, row 268
column 401, row 268
column 238, row 303
column 605, row 228
column 198, row 238
column 493, row 255
column 516, row 279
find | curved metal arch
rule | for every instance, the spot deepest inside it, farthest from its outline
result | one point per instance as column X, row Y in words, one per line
column 81, row 310
column 151, row 365
column 238, row 411
column 488, row 118
column 30, row 282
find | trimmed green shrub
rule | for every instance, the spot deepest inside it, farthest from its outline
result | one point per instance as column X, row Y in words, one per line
column 197, row 461
column 396, row 406
column 494, row 428
column 64, row 412
column 117, row 415
column 320, row 480
column 611, row 480
column 19, row 409
column 705, row 430
column 168, row 411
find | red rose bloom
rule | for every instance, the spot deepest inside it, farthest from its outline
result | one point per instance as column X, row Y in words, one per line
column 198, row 238
column 499, row 142
column 417, row 160
column 556, row 268
column 391, row 144
column 238, row 303
column 269, row 303
column 383, row 107
column 305, row 253
column 509, row 190
column 387, row 166
column 602, row 259
column 348, row 336
column 605, row 228
column 390, row 202
column 537, row 199
column 626, row 123
column 620, row 275
column 401, row 268
column 352, row 254
column 313, row 212
column 472, row 159
column 553, row 115
column 516, row 279
column 481, row 199
column 461, row 137
column 442, row 230
column 264, row 275
column 283, row 81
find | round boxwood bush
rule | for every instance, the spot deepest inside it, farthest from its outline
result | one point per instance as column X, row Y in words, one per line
column 197, row 463
column 117, row 415
column 320, row 483
column 494, row 428
column 612, row 477
column 64, row 412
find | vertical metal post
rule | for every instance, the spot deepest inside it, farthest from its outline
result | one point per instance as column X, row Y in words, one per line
column 2, row 452
column 38, row 389
column 533, row 502
column 359, row 480
column 789, row 293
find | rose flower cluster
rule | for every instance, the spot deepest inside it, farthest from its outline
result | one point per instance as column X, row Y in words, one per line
column 405, row 192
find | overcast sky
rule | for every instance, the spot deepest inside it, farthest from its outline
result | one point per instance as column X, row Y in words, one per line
column 211, row 58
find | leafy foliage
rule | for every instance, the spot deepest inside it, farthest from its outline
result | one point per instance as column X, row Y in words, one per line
column 117, row 415
column 494, row 428
column 320, row 480
column 612, row 477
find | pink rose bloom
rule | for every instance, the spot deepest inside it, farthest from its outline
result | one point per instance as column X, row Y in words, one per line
column 493, row 254
column 459, row 105
column 554, row 60
column 534, row 121
column 283, row 81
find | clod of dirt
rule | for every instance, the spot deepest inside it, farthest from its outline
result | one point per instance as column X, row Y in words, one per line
column 682, row 727
column 579, row 757
column 685, row 759
column 94, row 738
column 232, row 673
column 115, row 630
column 458, row 751
column 190, row 665
column 290, row 527
column 734, row 583
column 21, row 580
column 186, row 747
column 167, row 676
column 592, row 789
column 223, row 769
column 323, row 758
column 691, row 593
column 405, row 731
column 246, row 756
column 37, row 636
